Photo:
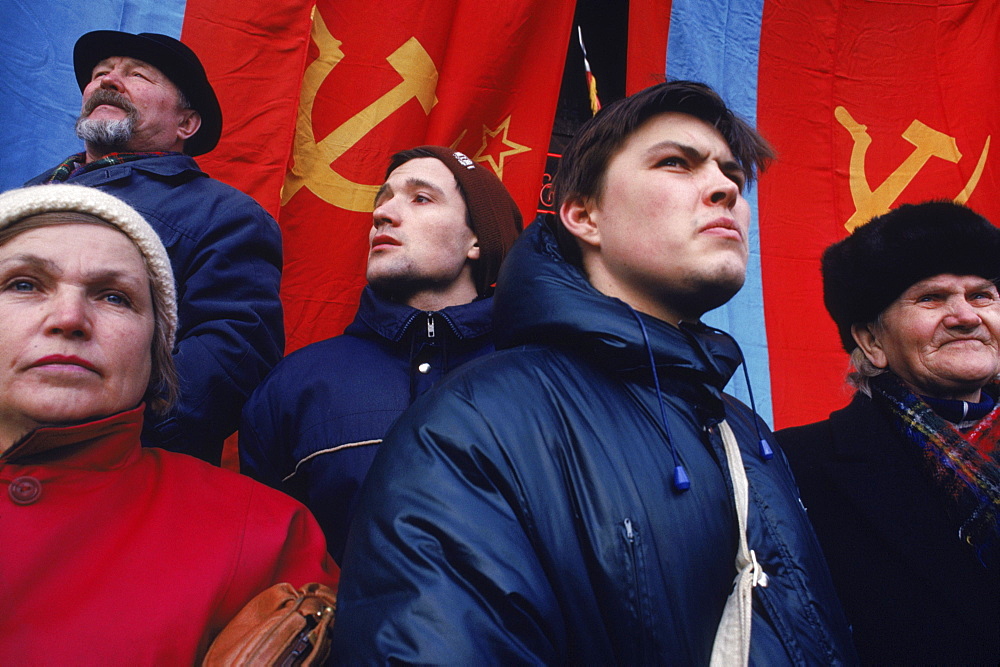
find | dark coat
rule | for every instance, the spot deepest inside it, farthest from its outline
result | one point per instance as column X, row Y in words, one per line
column 226, row 255
column 912, row 591
column 521, row 512
column 312, row 428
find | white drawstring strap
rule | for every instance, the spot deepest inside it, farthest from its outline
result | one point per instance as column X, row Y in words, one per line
column 732, row 639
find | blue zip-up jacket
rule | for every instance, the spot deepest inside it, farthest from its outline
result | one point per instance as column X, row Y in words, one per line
column 313, row 426
column 226, row 255
column 522, row 511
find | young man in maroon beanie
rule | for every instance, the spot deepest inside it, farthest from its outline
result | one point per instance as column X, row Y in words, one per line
column 440, row 229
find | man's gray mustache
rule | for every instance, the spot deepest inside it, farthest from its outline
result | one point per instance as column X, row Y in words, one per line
column 108, row 97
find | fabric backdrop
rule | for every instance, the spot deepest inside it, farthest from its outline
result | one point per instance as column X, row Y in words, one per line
column 868, row 103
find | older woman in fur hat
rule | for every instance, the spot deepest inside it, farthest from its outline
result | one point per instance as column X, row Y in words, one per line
column 113, row 553
column 903, row 485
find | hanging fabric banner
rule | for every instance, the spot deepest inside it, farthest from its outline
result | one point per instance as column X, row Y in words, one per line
column 870, row 105
column 254, row 55
column 386, row 76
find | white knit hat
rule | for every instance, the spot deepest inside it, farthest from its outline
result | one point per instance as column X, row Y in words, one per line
column 18, row 204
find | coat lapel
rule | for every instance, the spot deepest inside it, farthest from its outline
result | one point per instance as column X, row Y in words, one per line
column 884, row 485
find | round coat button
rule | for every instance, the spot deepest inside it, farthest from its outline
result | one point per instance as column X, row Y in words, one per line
column 424, row 368
column 24, row 490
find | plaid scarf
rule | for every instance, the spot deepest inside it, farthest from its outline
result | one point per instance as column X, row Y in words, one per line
column 964, row 467
column 74, row 165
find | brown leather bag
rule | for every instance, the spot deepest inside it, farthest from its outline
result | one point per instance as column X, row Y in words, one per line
column 280, row 626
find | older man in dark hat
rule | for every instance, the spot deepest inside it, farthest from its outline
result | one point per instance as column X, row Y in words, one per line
column 148, row 109
column 903, row 485
column 440, row 229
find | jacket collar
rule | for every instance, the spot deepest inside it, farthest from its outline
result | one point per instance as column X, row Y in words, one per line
column 392, row 321
column 873, row 470
column 165, row 166
column 542, row 298
column 74, row 446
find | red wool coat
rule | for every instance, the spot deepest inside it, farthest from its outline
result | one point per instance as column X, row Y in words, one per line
column 114, row 553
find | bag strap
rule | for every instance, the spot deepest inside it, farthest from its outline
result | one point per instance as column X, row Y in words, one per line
column 732, row 639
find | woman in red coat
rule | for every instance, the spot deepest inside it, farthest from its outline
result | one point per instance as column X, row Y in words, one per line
column 111, row 552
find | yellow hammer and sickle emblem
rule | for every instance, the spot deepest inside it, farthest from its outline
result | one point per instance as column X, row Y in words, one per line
column 312, row 159
column 927, row 143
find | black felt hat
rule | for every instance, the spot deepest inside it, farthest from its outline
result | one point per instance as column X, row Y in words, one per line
column 868, row 270
column 178, row 62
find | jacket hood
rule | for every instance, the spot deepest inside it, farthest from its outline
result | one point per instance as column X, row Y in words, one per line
column 542, row 298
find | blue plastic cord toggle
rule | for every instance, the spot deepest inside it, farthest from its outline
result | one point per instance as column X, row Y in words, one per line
column 766, row 452
column 681, row 481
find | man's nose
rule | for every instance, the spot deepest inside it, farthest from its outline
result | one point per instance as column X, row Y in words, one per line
column 721, row 189
column 112, row 81
column 385, row 214
column 962, row 314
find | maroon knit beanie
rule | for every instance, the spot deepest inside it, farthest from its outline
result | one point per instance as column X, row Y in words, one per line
column 495, row 218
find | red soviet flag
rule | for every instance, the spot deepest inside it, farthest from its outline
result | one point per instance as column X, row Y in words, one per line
column 385, row 76
column 253, row 54
column 870, row 105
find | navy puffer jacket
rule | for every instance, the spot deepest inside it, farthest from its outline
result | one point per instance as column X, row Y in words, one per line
column 311, row 429
column 523, row 511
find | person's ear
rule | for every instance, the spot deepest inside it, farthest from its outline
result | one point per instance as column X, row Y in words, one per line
column 473, row 253
column 189, row 124
column 580, row 218
column 870, row 344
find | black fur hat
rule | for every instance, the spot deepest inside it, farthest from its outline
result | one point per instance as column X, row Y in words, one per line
column 868, row 270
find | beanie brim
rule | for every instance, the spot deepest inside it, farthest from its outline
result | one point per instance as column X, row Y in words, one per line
column 22, row 203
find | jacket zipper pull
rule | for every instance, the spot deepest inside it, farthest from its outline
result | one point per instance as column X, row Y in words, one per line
column 430, row 325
